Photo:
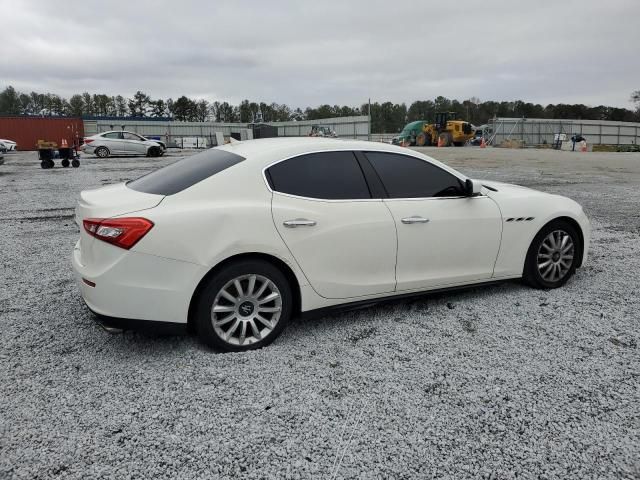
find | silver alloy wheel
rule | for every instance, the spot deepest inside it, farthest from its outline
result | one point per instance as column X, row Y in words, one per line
column 246, row 309
column 555, row 256
column 102, row 152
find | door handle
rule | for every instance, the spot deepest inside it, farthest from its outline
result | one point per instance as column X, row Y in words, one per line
column 414, row 219
column 299, row 222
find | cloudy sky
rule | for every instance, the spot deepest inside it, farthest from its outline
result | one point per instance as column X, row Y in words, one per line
column 305, row 53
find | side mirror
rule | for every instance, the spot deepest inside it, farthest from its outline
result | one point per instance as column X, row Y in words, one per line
column 473, row 188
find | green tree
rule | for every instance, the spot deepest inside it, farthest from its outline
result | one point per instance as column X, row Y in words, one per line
column 120, row 106
column 226, row 113
column 201, row 111
column 158, row 108
column 184, row 109
column 10, row 101
column 76, row 105
column 245, row 111
column 139, row 104
column 87, row 100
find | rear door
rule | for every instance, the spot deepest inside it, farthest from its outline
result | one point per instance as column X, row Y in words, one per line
column 444, row 236
column 113, row 141
column 342, row 239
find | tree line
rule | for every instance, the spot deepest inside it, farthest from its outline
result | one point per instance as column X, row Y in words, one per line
column 386, row 117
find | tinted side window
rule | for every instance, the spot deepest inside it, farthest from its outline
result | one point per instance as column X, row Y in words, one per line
column 184, row 173
column 409, row 177
column 325, row 175
column 112, row 135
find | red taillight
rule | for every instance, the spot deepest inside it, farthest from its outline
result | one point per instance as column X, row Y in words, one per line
column 88, row 140
column 121, row 232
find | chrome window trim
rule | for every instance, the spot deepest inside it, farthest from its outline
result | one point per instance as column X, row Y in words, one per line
column 266, row 181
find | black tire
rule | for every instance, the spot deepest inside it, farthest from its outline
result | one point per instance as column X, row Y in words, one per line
column 421, row 139
column 532, row 274
column 44, row 164
column 75, row 163
column 153, row 152
column 65, row 162
column 102, row 152
column 214, row 286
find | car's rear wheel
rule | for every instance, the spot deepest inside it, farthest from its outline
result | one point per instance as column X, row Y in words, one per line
column 102, row 152
column 244, row 306
column 553, row 255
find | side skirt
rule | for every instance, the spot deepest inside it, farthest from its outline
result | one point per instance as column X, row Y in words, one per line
column 360, row 304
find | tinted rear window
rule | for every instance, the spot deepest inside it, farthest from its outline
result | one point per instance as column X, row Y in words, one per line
column 325, row 175
column 185, row 173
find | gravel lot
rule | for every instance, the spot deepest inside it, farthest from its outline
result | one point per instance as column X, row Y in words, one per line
column 501, row 382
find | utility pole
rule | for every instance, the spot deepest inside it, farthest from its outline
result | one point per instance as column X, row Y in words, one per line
column 369, row 112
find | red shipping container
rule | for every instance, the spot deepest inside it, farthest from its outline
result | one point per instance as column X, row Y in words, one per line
column 26, row 131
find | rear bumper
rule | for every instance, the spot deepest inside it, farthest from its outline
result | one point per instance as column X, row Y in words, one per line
column 138, row 286
column 149, row 326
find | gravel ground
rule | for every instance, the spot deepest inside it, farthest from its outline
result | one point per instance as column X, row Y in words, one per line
column 501, row 382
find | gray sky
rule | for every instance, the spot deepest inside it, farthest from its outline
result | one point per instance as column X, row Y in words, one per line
column 305, row 53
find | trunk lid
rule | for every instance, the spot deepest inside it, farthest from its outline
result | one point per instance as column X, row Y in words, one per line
column 112, row 201
column 108, row 202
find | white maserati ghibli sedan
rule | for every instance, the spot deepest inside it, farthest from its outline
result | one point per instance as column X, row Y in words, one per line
column 236, row 240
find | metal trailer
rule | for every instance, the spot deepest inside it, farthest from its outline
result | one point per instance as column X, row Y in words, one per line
column 49, row 151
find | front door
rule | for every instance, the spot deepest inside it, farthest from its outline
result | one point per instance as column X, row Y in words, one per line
column 133, row 144
column 444, row 237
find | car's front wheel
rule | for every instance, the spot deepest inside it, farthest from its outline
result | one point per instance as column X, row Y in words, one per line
column 244, row 306
column 553, row 255
column 153, row 152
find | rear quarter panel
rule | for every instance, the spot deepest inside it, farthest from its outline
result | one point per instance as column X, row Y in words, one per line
column 225, row 215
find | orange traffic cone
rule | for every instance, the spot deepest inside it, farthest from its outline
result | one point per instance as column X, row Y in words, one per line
column 483, row 144
column 440, row 142
column 64, row 143
column 583, row 146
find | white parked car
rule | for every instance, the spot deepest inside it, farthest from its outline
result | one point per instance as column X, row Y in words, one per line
column 121, row 142
column 7, row 145
column 237, row 239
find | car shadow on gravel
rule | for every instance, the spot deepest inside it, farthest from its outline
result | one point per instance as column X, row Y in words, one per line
column 128, row 342
column 420, row 302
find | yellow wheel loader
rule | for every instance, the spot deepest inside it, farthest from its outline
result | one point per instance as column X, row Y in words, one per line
column 445, row 132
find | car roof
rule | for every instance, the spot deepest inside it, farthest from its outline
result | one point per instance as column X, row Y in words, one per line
column 264, row 152
column 287, row 146
column 119, row 131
